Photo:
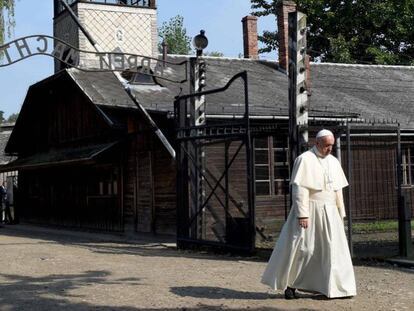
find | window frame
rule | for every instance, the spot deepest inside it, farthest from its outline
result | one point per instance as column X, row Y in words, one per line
column 271, row 165
column 407, row 166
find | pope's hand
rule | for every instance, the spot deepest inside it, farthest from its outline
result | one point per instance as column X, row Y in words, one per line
column 303, row 222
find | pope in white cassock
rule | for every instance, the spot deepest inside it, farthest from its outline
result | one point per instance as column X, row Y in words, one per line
column 312, row 252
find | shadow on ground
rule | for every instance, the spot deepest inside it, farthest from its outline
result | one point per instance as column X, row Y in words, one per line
column 142, row 245
column 220, row 293
column 53, row 292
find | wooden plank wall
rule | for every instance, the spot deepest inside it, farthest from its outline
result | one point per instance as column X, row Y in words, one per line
column 60, row 116
column 164, row 179
column 150, row 184
column 47, row 198
column 130, row 187
column 374, row 184
column 145, row 195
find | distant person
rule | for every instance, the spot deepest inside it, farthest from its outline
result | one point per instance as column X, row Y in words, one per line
column 3, row 198
column 312, row 252
column 7, row 213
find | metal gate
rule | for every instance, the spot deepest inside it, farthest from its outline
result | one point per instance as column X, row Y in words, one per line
column 378, row 199
column 215, row 176
column 378, row 160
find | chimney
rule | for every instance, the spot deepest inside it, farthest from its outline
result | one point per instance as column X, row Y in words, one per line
column 283, row 9
column 251, row 49
column 164, row 52
column 153, row 4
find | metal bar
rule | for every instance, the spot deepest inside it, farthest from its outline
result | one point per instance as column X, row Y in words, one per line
column 219, row 126
column 182, row 187
column 404, row 219
column 218, row 182
column 205, row 177
column 250, row 167
column 154, row 126
column 226, row 182
column 349, row 205
column 209, row 143
column 76, row 20
column 222, row 89
column 223, row 189
column 237, row 206
column 209, row 137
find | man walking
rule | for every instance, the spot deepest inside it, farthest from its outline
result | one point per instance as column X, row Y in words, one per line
column 312, row 252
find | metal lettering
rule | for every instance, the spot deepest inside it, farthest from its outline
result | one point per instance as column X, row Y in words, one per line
column 118, row 59
column 59, row 51
column 146, row 66
column 72, row 57
column 4, row 50
column 40, row 38
column 104, row 63
column 23, row 47
column 132, row 62
column 63, row 52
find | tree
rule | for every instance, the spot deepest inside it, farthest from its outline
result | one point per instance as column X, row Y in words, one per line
column 350, row 31
column 12, row 118
column 1, row 116
column 214, row 54
column 175, row 36
column 6, row 19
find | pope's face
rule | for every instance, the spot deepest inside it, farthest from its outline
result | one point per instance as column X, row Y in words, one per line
column 325, row 144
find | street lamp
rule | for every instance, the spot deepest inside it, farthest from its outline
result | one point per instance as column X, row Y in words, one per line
column 200, row 42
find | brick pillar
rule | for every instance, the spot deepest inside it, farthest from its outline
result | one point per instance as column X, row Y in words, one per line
column 251, row 49
column 283, row 9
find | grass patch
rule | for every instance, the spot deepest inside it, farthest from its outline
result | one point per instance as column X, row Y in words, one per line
column 377, row 226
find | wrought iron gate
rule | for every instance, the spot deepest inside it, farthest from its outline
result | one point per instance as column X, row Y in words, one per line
column 215, row 176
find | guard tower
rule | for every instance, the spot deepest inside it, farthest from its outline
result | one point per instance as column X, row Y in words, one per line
column 129, row 26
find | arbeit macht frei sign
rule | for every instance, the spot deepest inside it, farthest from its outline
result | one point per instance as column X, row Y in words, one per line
column 26, row 47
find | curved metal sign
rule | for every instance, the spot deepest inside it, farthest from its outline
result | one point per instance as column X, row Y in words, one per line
column 25, row 47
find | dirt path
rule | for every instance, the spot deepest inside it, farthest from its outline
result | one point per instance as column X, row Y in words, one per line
column 45, row 269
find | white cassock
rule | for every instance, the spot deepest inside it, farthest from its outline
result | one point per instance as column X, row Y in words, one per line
column 317, row 258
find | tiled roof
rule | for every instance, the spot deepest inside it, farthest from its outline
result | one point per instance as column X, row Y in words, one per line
column 4, row 137
column 375, row 92
column 372, row 92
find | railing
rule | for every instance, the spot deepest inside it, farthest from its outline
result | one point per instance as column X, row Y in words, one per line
column 59, row 8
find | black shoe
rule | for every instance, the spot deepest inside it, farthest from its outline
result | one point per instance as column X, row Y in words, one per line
column 290, row 293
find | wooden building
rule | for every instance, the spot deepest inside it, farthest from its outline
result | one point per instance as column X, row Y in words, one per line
column 88, row 157
column 5, row 131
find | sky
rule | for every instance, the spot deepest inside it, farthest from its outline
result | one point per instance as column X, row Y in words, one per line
column 221, row 19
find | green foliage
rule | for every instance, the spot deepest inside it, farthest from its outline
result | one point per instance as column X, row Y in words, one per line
column 6, row 19
column 271, row 40
column 340, row 49
column 12, row 118
column 376, row 226
column 352, row 31
column 214, row 54
column 175, row 36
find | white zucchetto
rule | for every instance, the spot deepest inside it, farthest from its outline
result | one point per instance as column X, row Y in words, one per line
column 323, row 133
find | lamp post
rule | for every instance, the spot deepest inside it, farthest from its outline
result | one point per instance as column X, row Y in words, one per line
column 200, row 42
column 197, row 118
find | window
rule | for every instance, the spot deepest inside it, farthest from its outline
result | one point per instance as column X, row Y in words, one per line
column 407, row 165
column 104, row 182
column 271, row 165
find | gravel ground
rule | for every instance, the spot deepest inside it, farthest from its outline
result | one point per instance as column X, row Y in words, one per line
column 49, row 269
